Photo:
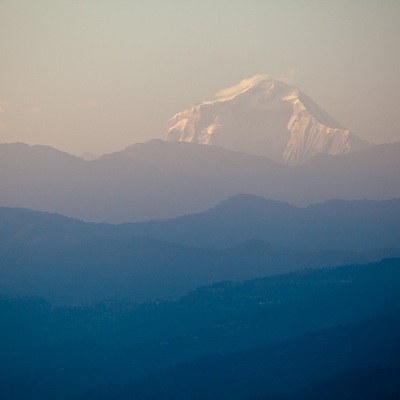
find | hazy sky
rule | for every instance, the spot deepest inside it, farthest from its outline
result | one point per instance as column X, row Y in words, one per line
column 97, row 76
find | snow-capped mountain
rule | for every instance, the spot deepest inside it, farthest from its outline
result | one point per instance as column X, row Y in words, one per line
column 267, row 117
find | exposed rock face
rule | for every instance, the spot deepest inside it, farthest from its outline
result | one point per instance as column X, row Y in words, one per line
column 265, row 117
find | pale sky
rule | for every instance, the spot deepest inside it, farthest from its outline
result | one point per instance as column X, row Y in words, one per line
column 97, row 76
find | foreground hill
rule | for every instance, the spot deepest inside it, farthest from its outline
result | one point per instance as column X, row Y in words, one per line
column 284, row 368
column 228, row 340
column 167, row 179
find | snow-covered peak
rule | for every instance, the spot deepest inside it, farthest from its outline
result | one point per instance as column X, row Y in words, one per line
column 264, row 116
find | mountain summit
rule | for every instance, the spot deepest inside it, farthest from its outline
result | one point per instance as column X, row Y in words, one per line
column 267, row 117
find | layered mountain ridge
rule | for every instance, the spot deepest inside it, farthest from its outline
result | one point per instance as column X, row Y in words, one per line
column 159, row 179
column 206, row 272
column 245, row 237
column 267, row 117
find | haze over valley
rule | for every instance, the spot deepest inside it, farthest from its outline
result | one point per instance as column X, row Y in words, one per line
column 199, row 200
column 180, row 255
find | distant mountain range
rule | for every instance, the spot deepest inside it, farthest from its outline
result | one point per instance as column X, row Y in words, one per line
column 267, row 117
column 160, row 179
column 335, row 224
column 72, row 262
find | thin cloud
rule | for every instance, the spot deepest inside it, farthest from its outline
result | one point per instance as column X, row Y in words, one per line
column 2, row 105
column 241, row 86
column 288, row 76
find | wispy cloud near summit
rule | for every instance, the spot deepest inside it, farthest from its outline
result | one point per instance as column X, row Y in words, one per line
column 288, row 76
column 241, row 86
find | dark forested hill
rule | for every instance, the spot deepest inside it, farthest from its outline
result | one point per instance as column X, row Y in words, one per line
column 249, row 338
column 283, row 368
